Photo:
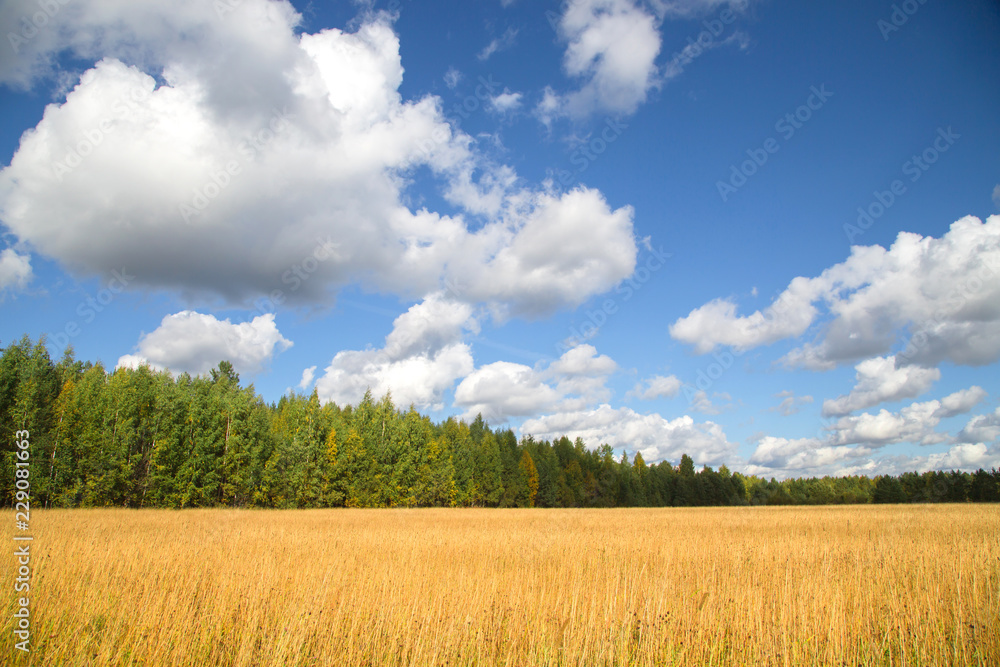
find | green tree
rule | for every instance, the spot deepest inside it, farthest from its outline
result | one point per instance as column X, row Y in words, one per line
column 530, row 476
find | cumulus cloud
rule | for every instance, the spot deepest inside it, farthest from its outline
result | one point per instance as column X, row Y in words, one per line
column 653, row 436
column 795, row 454
column 190, row 342
column 966, row 456
column 879, row 380
column 307, row 378
column 716, row 323
column 612, row 47
column 851, row 441
column 657, row 386
column 502, row 389
column 790, row 403
column 224, row 147
column 506, row 102
column 422, row 357
column 960, row 402
column 981, row 428
column 782, row 458
column 944, row 291
column 914, row 423
column 15, row 270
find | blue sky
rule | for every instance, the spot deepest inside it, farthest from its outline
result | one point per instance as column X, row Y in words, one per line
column 762, row 233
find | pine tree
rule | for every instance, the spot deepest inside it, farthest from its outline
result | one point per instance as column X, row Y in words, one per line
column 530, row 475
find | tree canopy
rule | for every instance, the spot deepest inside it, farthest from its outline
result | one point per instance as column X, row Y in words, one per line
column 141, row 438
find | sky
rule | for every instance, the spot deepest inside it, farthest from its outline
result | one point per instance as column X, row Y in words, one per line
column 762, row 233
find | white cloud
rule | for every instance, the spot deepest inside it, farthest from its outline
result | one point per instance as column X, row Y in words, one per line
column 795, row 454
column 653, row 436
column 914, row 423
column 15, row 270
column 880, row 380
column 307, row 378
column 503, row 389
column 716, row 323
column 981, row 428
column 452, row 77
column 960, row 402
column 422, row 357
column 190, row 342
column 501, row 43
column 966, row 456
column 506, row 102
column 219, row 182
column 612, row 47
column 806, row 457
column 548, row 109
column 564, row 248
column 945, row 291
column 848, row 448
column 657, row 386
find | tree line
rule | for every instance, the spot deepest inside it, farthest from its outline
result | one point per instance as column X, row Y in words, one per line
column 142, row 438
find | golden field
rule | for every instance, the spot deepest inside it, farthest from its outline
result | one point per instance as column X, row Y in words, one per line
column 867, row 585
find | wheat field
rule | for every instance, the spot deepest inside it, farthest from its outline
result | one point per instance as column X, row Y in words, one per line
column 870, row 585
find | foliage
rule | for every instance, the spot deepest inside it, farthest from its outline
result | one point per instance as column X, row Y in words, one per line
column 141, row 438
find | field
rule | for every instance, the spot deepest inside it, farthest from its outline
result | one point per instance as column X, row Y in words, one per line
column 868, row 585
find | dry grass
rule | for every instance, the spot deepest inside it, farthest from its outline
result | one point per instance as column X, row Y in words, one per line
column 915, row 585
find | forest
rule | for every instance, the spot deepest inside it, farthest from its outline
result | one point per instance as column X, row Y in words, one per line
column 143, row 438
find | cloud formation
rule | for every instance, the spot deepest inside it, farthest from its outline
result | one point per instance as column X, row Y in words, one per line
column 611, row 47
column 657, row 386
column 848, row 446
column 15, row 270
column 191, row 342
column 945, row 292
column 225, row 146
column 422, row 357
column 880, row 380
column 981, row 428
column 653, row 436
column 502, row 389
column 914, row 423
